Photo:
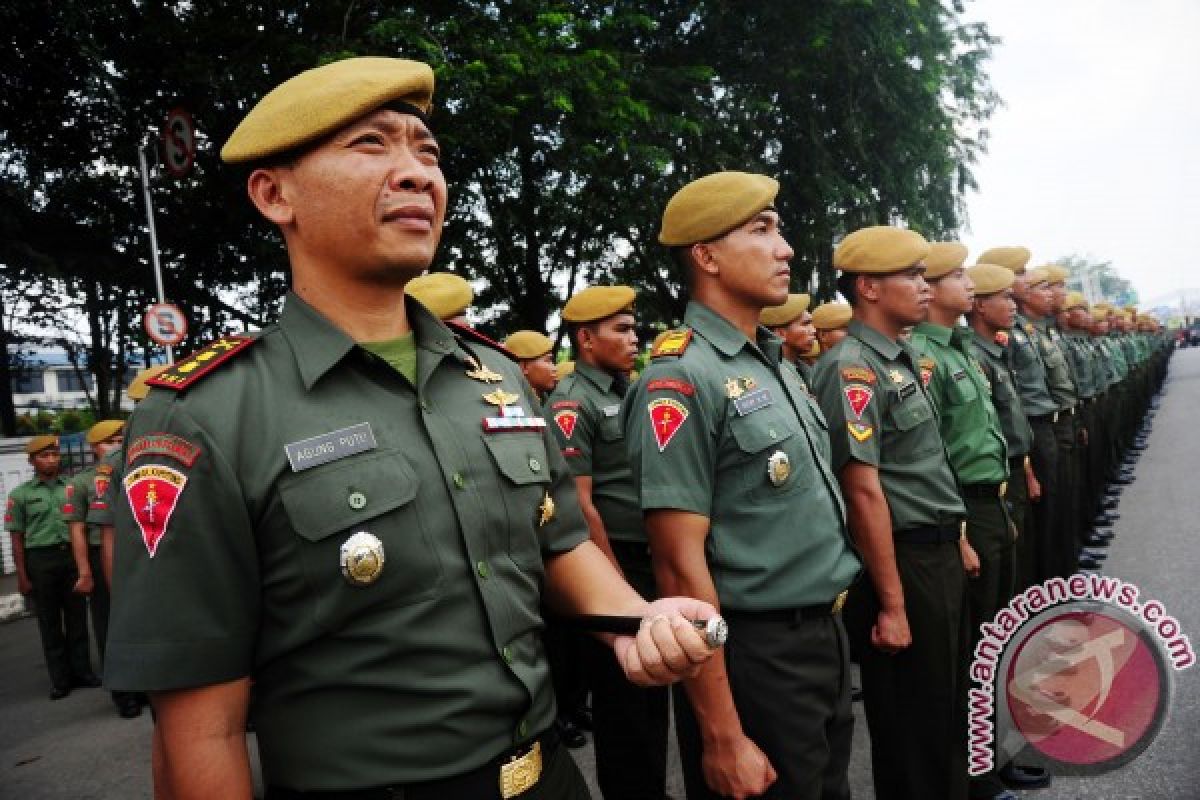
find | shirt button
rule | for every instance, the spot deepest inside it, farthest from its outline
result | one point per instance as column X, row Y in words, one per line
column 425, row 406
column 357, row 500
column 483, row 570
column 506, row 653
column 459, row 480
column 535, row 465
column 772, row 433
column 522, row 729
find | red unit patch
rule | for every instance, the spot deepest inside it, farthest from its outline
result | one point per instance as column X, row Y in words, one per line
column 671, row 384
column 69, row 505
column 153, row 492
column 565, row 420
column 859, row 397
column 667, row 417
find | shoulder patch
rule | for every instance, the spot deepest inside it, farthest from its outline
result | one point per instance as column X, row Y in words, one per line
column 183, row 374
column 467, row 332
column 565, row 404
column 926, row 365
column 671, row 384
column 673, row 344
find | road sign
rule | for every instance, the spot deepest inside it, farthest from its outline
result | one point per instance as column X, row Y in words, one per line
column 179, row 142
column 165, row 324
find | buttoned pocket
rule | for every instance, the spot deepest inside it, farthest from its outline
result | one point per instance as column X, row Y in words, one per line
column 770, row 461
column 521, row 458
column 610, row 429
column 963, row 390
column 910, row 413
column 907, row 416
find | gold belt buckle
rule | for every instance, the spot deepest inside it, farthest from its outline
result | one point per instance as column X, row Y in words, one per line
column 839, row 601
column 521, row 773
column 1003, row 489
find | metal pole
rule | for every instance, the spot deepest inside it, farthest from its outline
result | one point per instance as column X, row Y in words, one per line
column 158, row 281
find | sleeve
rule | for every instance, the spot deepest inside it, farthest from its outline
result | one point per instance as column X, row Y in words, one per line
column 848, row 393
column 560, row 524
column 14, row 511
column 670, row 441
column 78, row 495
column 573, row 422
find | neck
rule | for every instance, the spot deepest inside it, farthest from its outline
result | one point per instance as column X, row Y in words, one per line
column 366, row 312
column 587, row 358
column 981, row 326
column 870, row 316
column 945, row 317
column 735, row 311
column 1029, row 313
column 790, row 353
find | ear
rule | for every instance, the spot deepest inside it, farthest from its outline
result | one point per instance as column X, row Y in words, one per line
column 867, row 287
column 266, row 190
column 704, row 259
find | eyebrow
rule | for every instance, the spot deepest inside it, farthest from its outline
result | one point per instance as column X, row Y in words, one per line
column 390, row 124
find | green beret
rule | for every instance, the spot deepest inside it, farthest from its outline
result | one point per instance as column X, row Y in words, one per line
column 138, row 389
column 322, row 100
column 944, row 258
column 714, row 205
column 1011, row 258
column 880, row 250
column 529, row 344
column 776, row 316
column 990, row 278
column 445, row 294
column 598, row 302
column 831, row 316
column 103, row 430
column 39, row 443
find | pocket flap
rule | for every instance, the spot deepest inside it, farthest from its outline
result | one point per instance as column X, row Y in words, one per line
column 334, row 497
column 911, row 414
column 758, row 431
column 520, row 456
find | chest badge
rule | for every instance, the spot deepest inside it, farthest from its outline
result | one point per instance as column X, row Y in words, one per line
column 546, row 510
column 480, row 372
column 501, row 398
column 779, row 467
column 362, row 559
column 896, row 376
column 733, row 389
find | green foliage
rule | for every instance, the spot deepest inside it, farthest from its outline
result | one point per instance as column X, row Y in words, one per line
column 1098, row 280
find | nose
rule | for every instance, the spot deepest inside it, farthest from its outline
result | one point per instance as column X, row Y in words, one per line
column 785, row 250
column 409, row 174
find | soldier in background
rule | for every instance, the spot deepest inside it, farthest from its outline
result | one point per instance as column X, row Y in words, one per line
column 829, row 321
column 446, row 295
column 792, row 323
column 535, row 356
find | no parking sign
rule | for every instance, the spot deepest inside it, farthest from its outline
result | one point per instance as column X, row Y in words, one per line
column 165, row 324
column 179, row 142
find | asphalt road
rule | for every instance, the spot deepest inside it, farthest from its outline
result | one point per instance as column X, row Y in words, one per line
column 78, row 749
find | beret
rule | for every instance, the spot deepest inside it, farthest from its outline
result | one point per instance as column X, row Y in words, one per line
column 598, row 302
column 880, row 250
column 944, row 258
column 989, row 278
column 775, row 316
column 1099, row 314
column 829, row 316
column 39, row 443
column 445, row 294
column 1037, row 275
column 714, row 205
column 1103, row 306
column 1076, row 300
column 320, row 101
column 814, row 350
column 1056, row 274
column 564, row 368
column 529, row 344
column 1013, row 258
column 139, row 389
column 104, row 429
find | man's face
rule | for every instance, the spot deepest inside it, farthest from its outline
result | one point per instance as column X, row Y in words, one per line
column 368, row 202
column 611, row 343
column 540, row 373
column 106, row 446
column 828, row 338
column 953, row 292
column 1058, row 294
column 904, row 296
column 799, row 333
column 999, row 309
column 1039, row 299
column 1079, row 319
column 752, row 261
column 46, row 462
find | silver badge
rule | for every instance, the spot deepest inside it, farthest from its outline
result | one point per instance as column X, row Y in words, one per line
column 779, row 467
column 362, row 559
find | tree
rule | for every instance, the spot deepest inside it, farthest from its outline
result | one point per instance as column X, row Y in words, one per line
column 1097, row 280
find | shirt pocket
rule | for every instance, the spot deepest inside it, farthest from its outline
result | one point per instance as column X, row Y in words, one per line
column 907, row 416
column 521, row 458
column 963, row 389
column 610, row 429
column 373, row 494
column 759, row 437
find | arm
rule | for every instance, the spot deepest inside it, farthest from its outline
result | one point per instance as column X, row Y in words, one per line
column 1031, row 482
column 202, row 738
column 79, row 549
column 24, row 586
column 596, row 529
column 107, row 534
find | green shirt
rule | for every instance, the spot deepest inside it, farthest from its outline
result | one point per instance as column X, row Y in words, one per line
column 993, row 359
column 35, row 509
column 967, row 419
column 726, row 430
column 400, row 354
column 264, row 468
column 1058, row 371
column 880, row 415
column 1117, row 354
column 1083, row 368
column 87, row 494
column 584, row 413
column 1030, row 370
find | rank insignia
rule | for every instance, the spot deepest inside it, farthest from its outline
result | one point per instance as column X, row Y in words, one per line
column 501, row 398
column 671, row 384
column 480, row 372
column 858, row 374
column 666, row 416
column 733, row 389
column 859, row 397
column 896, row 375
column 673, row 344
column 69, row 506
column 100, row 487
column 153, row 491
column 546, row 510
column 361, row 559
column 926, row 365
column 1001, row 338
column 513, row 422
column 1029, row 328
column 162, row 444
column 860, row 432
column 566, row 420
column 779, row 467
column 184, row 373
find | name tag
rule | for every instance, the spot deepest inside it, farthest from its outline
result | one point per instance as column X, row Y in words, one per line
column 318, row 450
column 611, row 411
column 753, row 401
column 908, row 390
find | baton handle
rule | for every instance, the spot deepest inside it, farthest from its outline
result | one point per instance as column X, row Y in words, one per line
column 715, row 629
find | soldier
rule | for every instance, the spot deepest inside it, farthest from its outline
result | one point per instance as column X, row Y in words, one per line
column 908, row 623
column 729, row 451
column 356, row 507
column 535, row 355
column 445, row 294
column 41, row 545
column 792, row 323
column 829, row 321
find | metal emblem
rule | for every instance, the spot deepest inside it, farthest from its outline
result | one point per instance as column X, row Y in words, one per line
column 522, row 773
column 362, row 559
column 896, row 376
column 779, row 467
column 501, row 398
column 480, row 372
column 716, row 632
column 733, row 389
column 546, row 509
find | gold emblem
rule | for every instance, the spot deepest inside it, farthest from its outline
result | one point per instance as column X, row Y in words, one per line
column 547, row 509
column 480, row 372
column 522, row 773
column 362, row 559
column 733, row 388
column 896, row 376
column 501, row 398
column 839, row 602
column 779, row 467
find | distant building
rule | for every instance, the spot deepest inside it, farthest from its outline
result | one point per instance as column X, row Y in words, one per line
column 45, row 379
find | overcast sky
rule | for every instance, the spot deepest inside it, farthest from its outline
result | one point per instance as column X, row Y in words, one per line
column 1097, row 149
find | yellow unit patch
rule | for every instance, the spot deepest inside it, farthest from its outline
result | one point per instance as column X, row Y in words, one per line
column 673, row 344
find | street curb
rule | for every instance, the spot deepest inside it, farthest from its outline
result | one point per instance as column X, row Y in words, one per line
column 12, row 607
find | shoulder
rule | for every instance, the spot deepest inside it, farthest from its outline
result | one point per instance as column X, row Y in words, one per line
column 672, row 343
column 199, row 365
column 469, row 334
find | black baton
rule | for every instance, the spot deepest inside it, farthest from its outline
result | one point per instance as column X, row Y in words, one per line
column 715, row 629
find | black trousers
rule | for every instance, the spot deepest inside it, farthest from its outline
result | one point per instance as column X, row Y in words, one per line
column 61, row 614
column 98, row 599
column 915, row 700
column 1066, row 528
column 791, row 685
column 1024, row 556
column 1044, row 455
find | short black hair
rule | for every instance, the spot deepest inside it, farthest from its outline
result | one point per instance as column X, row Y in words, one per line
column 845, row 285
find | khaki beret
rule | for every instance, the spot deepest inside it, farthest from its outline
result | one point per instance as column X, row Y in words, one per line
column 445, row 294
column 1103, row 306
column 880, row 250
column 1099, row 314
column 39, row 443
column 529, row 344
column 989, row 278
column 103, row 430
column 1131, row 309
column 831, row 316
column 776, row 316
column 1013, row 258
column 1056, row 273
column 814, row 350
column 1037, row 275
column 322, row 100
column 598, row 302
column 138, row 389
column 564, row 368
column 944, row 258
column 714, row 205
column 1075, row 300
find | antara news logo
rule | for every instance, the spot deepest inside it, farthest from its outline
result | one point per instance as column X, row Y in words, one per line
column 1074, row 673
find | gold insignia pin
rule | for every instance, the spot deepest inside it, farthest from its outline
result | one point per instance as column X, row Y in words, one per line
column 480, row 372
column 547, row 509
column 779, row 467
column 362, row 559
column 733, row 388
column 501, row 398
column 896, row 376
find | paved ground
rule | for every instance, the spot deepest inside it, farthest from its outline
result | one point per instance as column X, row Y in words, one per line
column 78, row 749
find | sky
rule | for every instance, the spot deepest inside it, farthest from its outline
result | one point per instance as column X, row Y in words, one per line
column 1096, row 150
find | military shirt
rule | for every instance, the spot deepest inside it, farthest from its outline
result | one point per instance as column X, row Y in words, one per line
column 993, row 359
column 1083, row 367
column 1058, row 371
column 726, row 430
column 88, row 497
column 881, row 415
column 584, row 412
column 960, row 393
column 1117, row 354
column 1030, row 370
column 35, row 509
column 238, row 495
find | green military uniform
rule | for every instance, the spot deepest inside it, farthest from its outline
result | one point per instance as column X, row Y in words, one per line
column 35, row 512
column 720, row 427
column 1084, row 371
column 1061, row 384
column 372, row 556
column 89, row 496
column 881, row 415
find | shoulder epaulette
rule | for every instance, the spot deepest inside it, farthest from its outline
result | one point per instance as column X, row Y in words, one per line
column 187, row 371
column 673, row 344
column 468, row 332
